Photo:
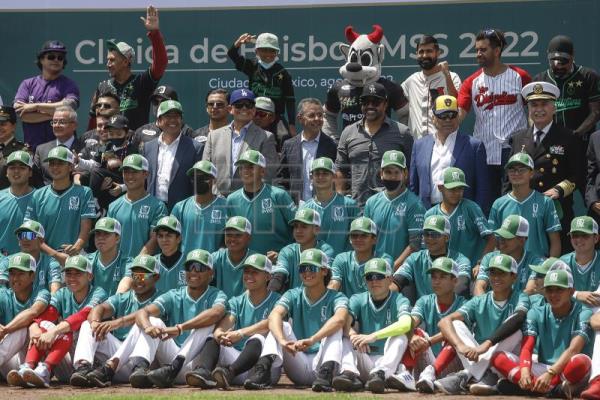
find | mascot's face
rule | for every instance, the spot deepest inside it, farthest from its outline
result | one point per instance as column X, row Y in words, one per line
column 364, row 56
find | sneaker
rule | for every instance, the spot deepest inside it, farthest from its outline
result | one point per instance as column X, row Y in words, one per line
column 15, row 377
column 426, row 379
column 139, row 377
column 39, row 377
column 324, row 377
column 163, row 377
column 200, row 377
column 509, row 388
column 486, row 386
column 100, row 377
column 402, row 380
column 79, row 377
column 260, row 376
column 455, row 383
column 591, row 393
column 347, row 382
column 567, row 390
column 376, row 382
column 223, row 377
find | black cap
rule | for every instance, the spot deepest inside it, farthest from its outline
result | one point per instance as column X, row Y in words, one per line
column 374, row 90
column 164, row 92
column 8, row 113
column 118, row 121
column 560, row 47
column 54, row 46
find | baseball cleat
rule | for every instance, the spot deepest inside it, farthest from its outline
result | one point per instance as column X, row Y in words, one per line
column 376, row 382
column 223, row 377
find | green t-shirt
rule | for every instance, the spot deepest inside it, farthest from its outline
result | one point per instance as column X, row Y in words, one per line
column 201, row 227
column 10, row 306
column 66, row 305
column 108, row 276
column 346, row 269
column 124, row 304
column 48, row 271
column 248, row 314
column 12, row 212
column 586, row 278
column 227, row 276
column 524, row 273
column 289, row 258
column 169, row 278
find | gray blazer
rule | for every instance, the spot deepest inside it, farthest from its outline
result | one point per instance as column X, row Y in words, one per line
column 217, row 150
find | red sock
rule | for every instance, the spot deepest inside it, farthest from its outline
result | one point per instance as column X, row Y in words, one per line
column 505, row 366
column 33, row 356
column 58, row 350
column 407, row 359
column 444, row 359
column 577, row 368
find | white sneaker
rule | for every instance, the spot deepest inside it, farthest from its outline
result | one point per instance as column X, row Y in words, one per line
column 15, row 377
column 39, row 377
column 426, row 379
column 402, row 380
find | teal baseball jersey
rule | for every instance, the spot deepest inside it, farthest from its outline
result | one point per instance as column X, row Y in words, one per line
column 524, row 273
column 108, row 276
column 289, row 258
column 247, row 314
column 468, row 228
column 123, row 304
column 371, row 318
column 336, row 217
column 309, row 317
column 48, row 271
column 169, row 278
column 484, row 316
column 537, row 300
column 428, row 311
column 416, row 265
column 66, row 305
column 537, row 209
column 176, row 306
column 553, row 335
column 350, row 273
column 269, row 212
column 201, row 227
column 585, row 278
column 12, row 212
column 61, row 214
column 396, row 220
column 10, row 306
column 228, row 277
column 137, row 220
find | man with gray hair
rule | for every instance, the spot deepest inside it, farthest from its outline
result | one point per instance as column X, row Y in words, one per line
column 299, row 151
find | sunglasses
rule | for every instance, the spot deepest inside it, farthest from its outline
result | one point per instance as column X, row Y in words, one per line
column 432, row 234
column 308, row 268
column 560, row 61
column 26, row 235
column 491, row 34
column 263, row 114
column 447, row 116
column 197, row 267
column 244, row 104
column 374, row 276
column 216, row 104
column 365, row 101
column 103, row 105
column 141, row 276
column 52, row 57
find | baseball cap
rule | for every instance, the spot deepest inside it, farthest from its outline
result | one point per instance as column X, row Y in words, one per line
column 445, row 105
column 122, row 48
column 267, row 41
column 201, row 256
column 31, row 226
column 144, row 261
column 521, row 158
column 253, row 157
column 560, row 46
column 513, row 226
column 444, row 264
column 378, row 266
column 548, row 264
column 265, row 104
column 118, row 121
column 136, row 162
column 241, row 94
column 109, row 225
column 167, row 106
column 164, row 92
column 325, row 163
column 374, row 90
column 504, row 263
column 540, row 91
column 61, row 153
column 240, row 224
column 454, row 177
column 259, row 262
column 363, row 224
column 78, row 262
column 584, row 224
column 20, row 156
column 314, row 257
column 437, row 223
column 393, row 157
column 559, row 277
column 52, row 46
column 204, row 166
column 168, row 222
column 8, row 113
column 307, row 216
column 22, row 262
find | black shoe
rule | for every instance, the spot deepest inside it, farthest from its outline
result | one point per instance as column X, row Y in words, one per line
column 200, row 377
column 324, row 378
column 508, row 388
column 260, row 376
column 100, row 377
column 79, row 377
column 163, row 377
column 139, row 377
column 223, row 377
column 347, row 382
column 376, row 382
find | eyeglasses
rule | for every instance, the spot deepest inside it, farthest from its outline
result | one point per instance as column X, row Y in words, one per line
column 216, row 104
column 26, row 235
column 308, row 268
column 375, row 101
column 197, row 267
column 244, row 104
column 518, row 171
column 432, row 234
column 263, row 114
column 358, row 235
column 447, row 116
column 141, row 276
column 374, row 276
column 103, row 105
column 59, row 122
column 52, row 57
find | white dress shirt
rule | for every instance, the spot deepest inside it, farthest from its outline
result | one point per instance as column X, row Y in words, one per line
column 545, row 131
column 166, row 157
column 441, row 158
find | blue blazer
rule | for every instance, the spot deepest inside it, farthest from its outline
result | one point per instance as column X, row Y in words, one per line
column 469, row 155
column 188, row 152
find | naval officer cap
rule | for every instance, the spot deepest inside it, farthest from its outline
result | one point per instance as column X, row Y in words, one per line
column 540, row 91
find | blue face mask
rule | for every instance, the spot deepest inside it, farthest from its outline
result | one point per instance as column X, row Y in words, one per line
column 265, row 65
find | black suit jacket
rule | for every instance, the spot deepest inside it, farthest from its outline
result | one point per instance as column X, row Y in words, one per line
column 289, row 175
column 41, row 152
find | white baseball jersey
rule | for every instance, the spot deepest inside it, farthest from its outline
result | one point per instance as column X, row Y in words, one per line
column 498, row 105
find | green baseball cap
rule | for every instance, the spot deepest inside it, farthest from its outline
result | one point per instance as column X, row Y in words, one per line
column 252, row 157
column 31, row 226
column 504, row 263
column 169, row 105
column 585, row 225
column 363, row 224
column 109, row 225
column 548, row 264
column 379, row 266
column 454, row 177
column 437, row 223
column 513, row 226
column 22, row 262
column 61, row 153
column 520, row 159
column 307, row 216
column 393, row 157
column 560, row 278
column 201, row 256
column 135, row 162
column 21, row 157
column 78, row 262
column 240, row 224
column 314, row 257
column 324, row 163
column 147, row 262
column 168, row 222
column 444, row 264
column 259, row 262
column 203, row 166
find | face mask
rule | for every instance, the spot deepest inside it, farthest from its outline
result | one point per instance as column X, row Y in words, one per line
column 116, row 142
column 389, row 185
column 202, row 186
column 265, row 65
column 427, row 63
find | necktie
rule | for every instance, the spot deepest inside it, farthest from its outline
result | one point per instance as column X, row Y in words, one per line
column 538, row 137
